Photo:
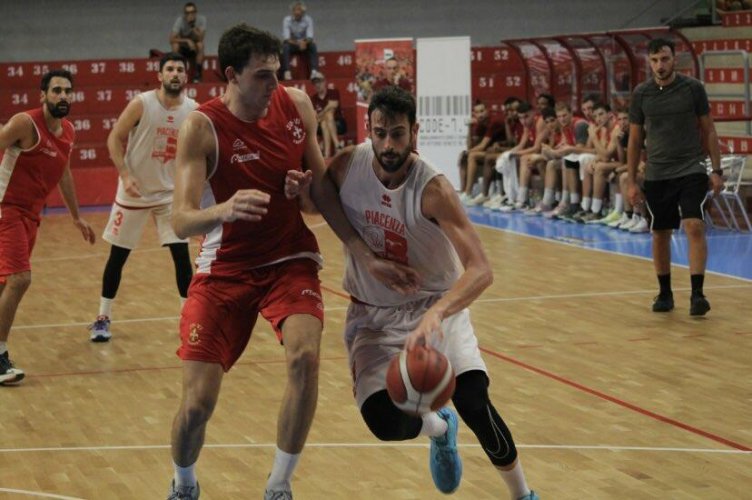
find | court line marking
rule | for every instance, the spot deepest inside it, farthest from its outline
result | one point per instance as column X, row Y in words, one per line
column 37, row 494
column 583, row 295
column 376, row 445
column 617, row 401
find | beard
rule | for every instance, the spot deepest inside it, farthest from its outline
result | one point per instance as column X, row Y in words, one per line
column 170, row 88
column 393, row 161
column 59, row 110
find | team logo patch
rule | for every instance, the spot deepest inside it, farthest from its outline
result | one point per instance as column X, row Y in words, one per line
column 386, row 200
column 297, row 132
column 242, row 154
column 194, row 333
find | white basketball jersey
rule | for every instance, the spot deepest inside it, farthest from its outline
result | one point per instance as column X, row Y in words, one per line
column 392, row 223
column 152, row 146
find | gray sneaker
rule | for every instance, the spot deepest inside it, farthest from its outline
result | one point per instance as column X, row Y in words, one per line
column 9, row 374
column 278, row 495
column 183, row 492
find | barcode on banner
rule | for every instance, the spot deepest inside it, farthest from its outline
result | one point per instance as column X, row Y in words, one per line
column 444, row 105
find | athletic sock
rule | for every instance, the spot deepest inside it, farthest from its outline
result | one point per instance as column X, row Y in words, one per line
column 697, row 281
column 618, row 203
column 585, row 205
column 185, row 476
column 105, row 307
column 284, row 465
column 522, row 195
column 596, row 206
column 433, row 425
column 3, row 347
column 574, row 198
column 548, row 197
column 515, row 480
column 664, row 281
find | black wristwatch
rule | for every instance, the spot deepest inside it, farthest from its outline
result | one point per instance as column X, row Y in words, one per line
column 717, row 171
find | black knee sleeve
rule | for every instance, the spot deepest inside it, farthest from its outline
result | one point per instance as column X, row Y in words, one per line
column 183, row 267
column 113, row 271
column 386, row 421
column 472, row 403
column 571, row 164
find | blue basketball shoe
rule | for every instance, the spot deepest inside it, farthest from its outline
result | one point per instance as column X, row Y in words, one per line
column 445, row 461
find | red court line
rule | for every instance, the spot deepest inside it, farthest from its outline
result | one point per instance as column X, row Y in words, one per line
column 617, row 401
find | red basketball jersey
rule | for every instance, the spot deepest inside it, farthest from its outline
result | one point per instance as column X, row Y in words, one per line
column 255, row 155
column 27, row 176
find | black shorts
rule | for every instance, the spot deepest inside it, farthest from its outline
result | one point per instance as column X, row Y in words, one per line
column 671, row 200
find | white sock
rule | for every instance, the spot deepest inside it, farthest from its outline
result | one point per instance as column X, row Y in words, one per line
column 3, row 347
column 522, row 195
column 574, row 198
column 105, row 307
column 585, row 205
column 618, row 203
column 515, row 479
column 185, row 476
column 597, row 205
column 548, row 196
column 433, row 425
column 284, row 465
column 565, row 196
column 557, row 196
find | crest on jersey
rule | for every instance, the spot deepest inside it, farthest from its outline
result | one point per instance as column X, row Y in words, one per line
column 296, row 130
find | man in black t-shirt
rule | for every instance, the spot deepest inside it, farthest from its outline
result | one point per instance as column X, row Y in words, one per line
column 671, row 110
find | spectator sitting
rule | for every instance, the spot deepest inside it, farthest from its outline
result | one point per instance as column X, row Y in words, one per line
column 491, row 133
column 393, row 76
column 297, row 33
column 187, row 38
column 329, row 114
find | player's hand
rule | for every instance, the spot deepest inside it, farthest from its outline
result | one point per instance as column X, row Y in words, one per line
column 634, row 193
column 296, row 181
column 428, row 329
column 245, row 204
column 395, row 276
column 131, row 186
column 303, row 45
column 191, row 44
column 716, row 183
column 86, row 230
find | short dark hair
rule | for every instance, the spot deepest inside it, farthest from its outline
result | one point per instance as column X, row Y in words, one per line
column 393, row 100
column 548, row 112
column 62, row 73
column 239, row 43
column 510, row 100
column 592, row 97
column 602, row 105
column 172, row 56
column 657, row 44
column 190, row 4
column 524, row 107
column 550, row 101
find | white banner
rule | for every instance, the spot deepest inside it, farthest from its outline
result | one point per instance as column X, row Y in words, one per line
column 444, row 106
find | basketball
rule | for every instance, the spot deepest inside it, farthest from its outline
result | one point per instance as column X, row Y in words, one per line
column 420, row 381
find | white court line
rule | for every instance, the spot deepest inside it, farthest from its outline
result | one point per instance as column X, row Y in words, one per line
column 583, row 295
column 379, row 445
column 37, row 494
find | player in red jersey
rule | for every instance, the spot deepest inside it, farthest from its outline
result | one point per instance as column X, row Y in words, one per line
column 35, row 148
column 239, row 156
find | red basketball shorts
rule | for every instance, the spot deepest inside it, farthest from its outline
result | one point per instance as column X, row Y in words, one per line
column 220, row 313
column 17, row 237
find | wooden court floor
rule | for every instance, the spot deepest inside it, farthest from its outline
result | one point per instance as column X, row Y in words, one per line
column 606, row 400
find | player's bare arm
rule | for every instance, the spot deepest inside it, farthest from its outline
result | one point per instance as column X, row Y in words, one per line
column 324, row 194
column 634, row 147
column 710, row 137
column 68, row 192
column 117, row 140
column 196, row 151
column 18, row 131
column 441, row 204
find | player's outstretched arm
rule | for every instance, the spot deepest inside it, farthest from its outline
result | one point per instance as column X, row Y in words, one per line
column 196, row 151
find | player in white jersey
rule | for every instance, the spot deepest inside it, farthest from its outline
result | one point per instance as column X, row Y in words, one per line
column 408, row 212
column 149, row 124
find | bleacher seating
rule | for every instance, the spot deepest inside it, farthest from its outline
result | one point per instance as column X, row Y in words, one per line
column 103, row 87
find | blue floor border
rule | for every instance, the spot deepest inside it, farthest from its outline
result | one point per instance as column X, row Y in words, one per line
column 729, row 252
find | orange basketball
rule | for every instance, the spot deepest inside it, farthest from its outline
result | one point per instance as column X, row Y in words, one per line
column 420, row 381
